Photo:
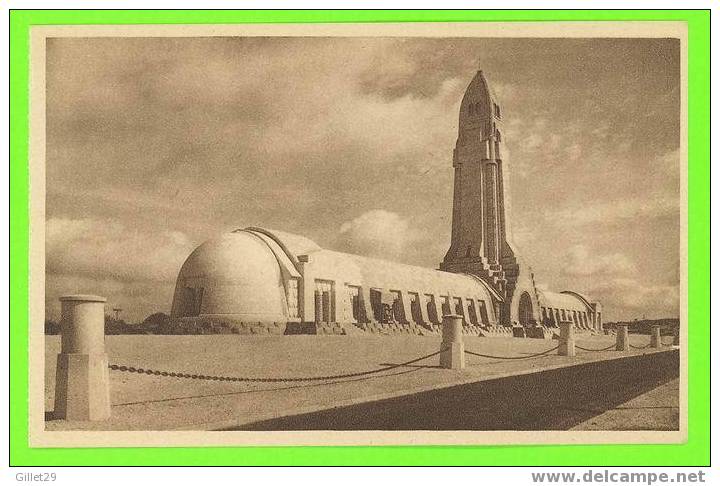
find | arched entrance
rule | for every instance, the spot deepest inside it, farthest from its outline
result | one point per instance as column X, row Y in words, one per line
column 525, row 310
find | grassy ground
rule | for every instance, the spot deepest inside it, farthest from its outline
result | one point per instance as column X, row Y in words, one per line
column 143, row 402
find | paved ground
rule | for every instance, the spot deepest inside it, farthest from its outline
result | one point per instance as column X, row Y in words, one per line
column 557, row 399
column 658, row 409
column 143, row 402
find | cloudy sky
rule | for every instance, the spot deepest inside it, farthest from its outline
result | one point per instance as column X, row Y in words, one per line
column 155, row 145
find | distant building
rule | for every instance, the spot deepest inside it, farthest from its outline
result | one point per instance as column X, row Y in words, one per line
column 263, row 279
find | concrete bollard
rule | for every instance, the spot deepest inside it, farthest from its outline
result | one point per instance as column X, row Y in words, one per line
column 567, row 339
column 655, row 339
column 452, row 349
column 622, row 343
column 82, row 384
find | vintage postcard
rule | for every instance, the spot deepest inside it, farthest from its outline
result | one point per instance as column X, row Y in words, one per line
column 358, row 234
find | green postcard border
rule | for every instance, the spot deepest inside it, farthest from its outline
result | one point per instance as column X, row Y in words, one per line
column 695, row 452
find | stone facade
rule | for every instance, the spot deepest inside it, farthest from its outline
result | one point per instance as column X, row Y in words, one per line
column 481, row 243
column 264, row 281
column 320, row 291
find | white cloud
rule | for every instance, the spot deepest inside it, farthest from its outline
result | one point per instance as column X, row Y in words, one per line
column 618, row 211
column 630, row 298
column 202, row 134
column 573, row 151
column 601, row 131
column 579, row 261
column 520, row 235
column 377, row 233
column 505, row 91
column 111, row 250
column 410, row 128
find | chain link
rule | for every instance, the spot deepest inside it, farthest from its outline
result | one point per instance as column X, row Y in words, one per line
column 596, row 350
column 513, row 357
column 172, row 374
column 193, row 376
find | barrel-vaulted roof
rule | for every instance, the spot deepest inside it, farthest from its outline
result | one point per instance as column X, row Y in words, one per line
column 563, row 300
column 374, row 273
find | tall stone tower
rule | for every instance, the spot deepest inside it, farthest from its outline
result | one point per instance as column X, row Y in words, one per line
column 480, row 242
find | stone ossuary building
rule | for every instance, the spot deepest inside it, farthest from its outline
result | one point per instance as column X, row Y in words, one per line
column 262, row 280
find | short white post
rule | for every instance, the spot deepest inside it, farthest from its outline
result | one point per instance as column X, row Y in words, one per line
column 452, row 349
column 655, row 339
column 622, row 343
column 567, row 339
column 82, row 384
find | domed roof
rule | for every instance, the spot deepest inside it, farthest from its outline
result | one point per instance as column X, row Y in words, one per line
column 295, row 245
column 231, row 256
column 236, row 275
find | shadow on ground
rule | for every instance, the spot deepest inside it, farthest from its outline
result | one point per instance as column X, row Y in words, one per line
column 551, row 400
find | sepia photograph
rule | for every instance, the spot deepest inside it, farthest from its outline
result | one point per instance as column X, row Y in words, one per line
column 358, row 234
